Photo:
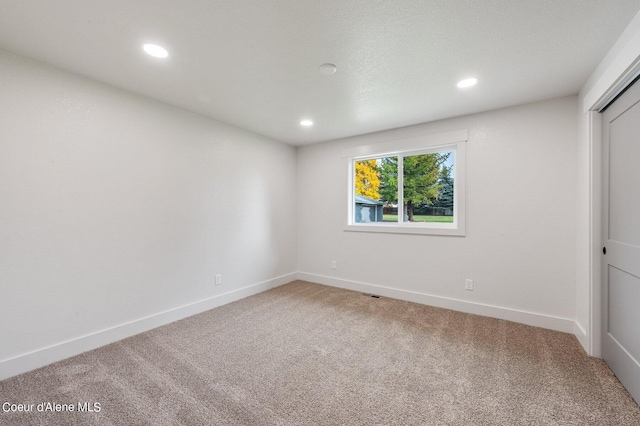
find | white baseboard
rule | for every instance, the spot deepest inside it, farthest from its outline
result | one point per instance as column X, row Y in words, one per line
column 41, row 357
column 529, row 318
column 581, row 335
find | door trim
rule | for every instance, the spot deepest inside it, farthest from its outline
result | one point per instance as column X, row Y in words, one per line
column 594, row 337
column 607, row 81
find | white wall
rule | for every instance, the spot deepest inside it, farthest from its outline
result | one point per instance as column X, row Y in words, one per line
column 521, row 233
column 116, row 212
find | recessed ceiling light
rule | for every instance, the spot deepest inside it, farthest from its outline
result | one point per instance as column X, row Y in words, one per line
column 467, row 82
column 155, row 50
column 328, row 69
column 306, row 123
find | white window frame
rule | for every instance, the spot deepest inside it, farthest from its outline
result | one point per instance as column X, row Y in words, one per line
column 442, row 142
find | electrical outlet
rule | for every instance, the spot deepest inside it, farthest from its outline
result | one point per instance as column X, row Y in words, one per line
column 468, row 285
column 334, row 264
column 218, row 279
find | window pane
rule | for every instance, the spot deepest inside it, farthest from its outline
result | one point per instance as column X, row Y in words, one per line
column 370, row 183
column 428, row 187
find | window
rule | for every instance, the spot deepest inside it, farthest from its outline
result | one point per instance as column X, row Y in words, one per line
column 412, row 186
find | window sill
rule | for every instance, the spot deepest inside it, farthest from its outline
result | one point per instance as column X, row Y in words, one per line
column 411, row 228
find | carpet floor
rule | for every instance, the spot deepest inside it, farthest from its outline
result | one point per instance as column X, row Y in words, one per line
column 308, row 354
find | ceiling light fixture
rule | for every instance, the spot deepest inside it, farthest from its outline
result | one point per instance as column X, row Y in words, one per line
column 155, row 50
column 467, row 82
column 306, row 123
column 328, row 69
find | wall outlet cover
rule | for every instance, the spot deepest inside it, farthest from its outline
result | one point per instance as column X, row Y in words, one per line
column 468, row 285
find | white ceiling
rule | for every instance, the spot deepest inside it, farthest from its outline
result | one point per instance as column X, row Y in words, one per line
column 254, row 63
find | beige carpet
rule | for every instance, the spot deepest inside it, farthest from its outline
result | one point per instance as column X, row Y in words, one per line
column 306, row 354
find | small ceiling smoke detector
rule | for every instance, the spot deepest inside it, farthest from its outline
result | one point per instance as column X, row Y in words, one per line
column 306, row 123
column 328, row 69
column 155, row 50
column 467, row 82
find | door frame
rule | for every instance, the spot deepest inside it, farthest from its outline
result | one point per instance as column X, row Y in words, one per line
column 622, row 70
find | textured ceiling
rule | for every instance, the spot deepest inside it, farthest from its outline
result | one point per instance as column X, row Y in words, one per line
column 254, row 63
